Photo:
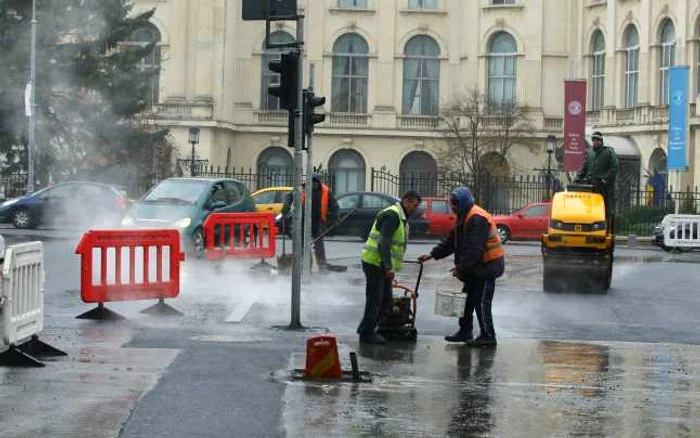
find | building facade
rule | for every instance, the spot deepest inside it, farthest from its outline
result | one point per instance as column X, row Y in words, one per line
column 387, row 68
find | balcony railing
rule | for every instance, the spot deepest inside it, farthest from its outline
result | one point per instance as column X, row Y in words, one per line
column 349, row 120
column 553, row 123
column 593, row 117
column 184, row 110
column 659, row 114
column 625, row 115
column 271, row 117
column 418, row 122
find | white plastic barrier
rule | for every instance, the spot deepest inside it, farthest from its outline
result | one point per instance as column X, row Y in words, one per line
column 681, row 230
column 22, row 293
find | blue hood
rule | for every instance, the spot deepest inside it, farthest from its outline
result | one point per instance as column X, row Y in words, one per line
column 465, row 199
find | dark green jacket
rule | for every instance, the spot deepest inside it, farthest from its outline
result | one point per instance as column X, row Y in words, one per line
column 601, row 164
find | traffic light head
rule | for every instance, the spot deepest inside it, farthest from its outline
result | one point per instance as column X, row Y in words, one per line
column 286, row 89
column 311, row 118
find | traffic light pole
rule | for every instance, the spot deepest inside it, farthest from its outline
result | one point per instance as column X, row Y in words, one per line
column 308, row 260
column 297, row 246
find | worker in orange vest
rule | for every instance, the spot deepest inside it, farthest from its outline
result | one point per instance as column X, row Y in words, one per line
column 478, row 261
column 324, row 211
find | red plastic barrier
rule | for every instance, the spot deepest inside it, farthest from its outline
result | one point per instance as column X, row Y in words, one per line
column 240, row 235
column 138, row 275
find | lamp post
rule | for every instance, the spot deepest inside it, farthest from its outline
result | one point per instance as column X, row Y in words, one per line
column 31, row 111
column 551, row 146
column 194, row 139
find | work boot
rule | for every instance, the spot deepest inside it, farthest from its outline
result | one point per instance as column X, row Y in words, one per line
column 482, row 342
column 462, row 335
column 373, row 338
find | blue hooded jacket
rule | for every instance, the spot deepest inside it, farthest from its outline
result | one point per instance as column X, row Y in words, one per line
column 467, row 241
column 464, row 198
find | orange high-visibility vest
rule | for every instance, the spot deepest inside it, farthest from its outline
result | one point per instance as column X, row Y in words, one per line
column 325, row 200
column 494, row 249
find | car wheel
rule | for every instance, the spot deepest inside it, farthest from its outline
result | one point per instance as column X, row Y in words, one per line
column 503, row 233
column 22, row 219
column 198, row 243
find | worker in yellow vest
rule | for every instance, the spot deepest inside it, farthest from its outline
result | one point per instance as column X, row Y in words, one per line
column 382, row 257
column 478, row 261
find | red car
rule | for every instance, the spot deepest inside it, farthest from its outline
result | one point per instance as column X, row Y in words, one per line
column 530, row 222
column 439, row 216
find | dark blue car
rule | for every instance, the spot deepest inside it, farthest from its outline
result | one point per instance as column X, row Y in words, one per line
column 75, row 203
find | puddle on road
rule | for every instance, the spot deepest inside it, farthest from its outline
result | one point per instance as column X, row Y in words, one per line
column 523, row 388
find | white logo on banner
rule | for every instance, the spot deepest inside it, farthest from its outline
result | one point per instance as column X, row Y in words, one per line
column 575, row 108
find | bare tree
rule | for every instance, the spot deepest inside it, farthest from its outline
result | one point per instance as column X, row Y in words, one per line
column 475, row 130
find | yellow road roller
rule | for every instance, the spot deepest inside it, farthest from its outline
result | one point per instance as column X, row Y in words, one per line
column 578, row 247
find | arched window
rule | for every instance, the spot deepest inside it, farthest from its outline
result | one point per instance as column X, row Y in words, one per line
column 142, row 37
column 502, row 71
column 658, row 175
column 275, row 167
column 667, row 58
column 597, row 79
column 631, row 40
column 421, row 76
column 268, row 102
column 348, row 170
column 350, row 73
column 418, row 171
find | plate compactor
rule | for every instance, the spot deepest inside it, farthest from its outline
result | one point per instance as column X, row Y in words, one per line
column 399, row 324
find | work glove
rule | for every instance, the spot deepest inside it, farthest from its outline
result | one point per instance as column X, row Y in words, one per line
column 424, row 258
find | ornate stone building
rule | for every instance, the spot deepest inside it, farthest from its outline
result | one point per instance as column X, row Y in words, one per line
column 387, row 67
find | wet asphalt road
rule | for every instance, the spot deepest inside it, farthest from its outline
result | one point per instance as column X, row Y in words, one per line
column 621, row 364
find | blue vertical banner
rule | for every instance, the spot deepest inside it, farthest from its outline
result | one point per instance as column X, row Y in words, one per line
column 678, row 118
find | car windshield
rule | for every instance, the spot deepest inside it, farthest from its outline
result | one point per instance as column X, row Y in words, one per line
column 177, row 192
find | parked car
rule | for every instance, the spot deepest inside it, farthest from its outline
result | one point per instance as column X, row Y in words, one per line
column 368, row 205
column 270, row 200
column 184, row 204
column 440, row 217
column 75, row 203
column 528, row 223
column 365, row 205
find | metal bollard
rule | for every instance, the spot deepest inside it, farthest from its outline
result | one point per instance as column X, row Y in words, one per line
column 355, row 367
column 632, row 240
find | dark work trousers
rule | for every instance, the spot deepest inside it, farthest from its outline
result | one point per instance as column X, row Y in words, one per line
column 378, row 298
column 479, row 298
column 319, row 247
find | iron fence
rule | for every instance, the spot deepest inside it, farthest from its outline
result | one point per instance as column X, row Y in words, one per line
column 498, row 194
column 13, row 185
column 256, row 181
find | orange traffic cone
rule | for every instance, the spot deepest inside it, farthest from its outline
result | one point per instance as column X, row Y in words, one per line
column 322, row 357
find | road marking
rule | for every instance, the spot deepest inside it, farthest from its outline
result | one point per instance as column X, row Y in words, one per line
column 243, row 307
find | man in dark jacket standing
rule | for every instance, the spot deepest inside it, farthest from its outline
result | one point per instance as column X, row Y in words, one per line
column 324, row 210
column 601, row 168
column 478, row 262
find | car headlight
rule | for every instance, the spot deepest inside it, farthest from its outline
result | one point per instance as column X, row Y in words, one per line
column 128, row 221
column 599, row 226
column 184, row 222
column 557, row 225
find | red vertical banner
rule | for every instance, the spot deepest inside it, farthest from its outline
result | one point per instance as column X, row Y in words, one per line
column 574, row 124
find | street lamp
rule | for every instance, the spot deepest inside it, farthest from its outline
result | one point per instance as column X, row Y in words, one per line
column 194, row 139
column 551, row 146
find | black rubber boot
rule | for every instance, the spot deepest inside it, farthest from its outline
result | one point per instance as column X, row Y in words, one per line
column 373, row 338
column 462, row 335
column 483, row 342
